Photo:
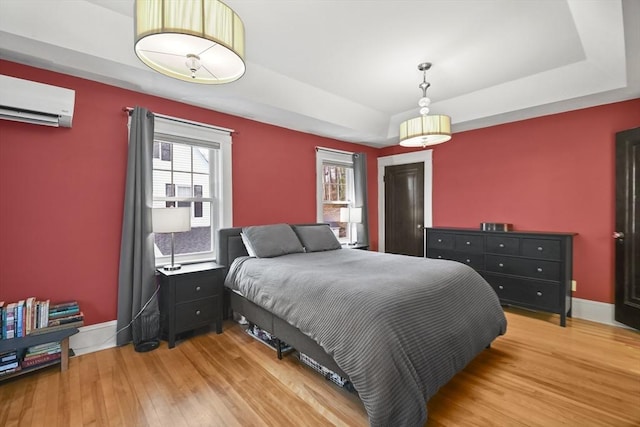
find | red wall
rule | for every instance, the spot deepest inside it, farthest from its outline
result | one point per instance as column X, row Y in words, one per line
column 62, row 190
column 553, row 173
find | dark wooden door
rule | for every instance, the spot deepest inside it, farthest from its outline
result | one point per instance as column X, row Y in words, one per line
column 627, row 234
column 404, row 209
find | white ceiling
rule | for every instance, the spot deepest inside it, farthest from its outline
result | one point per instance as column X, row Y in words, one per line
column 347, row 69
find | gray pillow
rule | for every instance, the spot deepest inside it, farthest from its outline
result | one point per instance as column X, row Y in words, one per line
column 317, row 238
column 270, row 241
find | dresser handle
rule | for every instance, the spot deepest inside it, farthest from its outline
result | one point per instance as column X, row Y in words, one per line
column 439, row 256
column 468, row 243
column 540, row 248
column 197, row 312
column 468, row 261
column 501, row 245
column 197, row 288
column 539, row 293
column 439, row 240
column 539, row 269
column 500, row 287
column 501, row 265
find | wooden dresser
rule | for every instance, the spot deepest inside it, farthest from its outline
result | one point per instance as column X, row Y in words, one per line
column 526, row 269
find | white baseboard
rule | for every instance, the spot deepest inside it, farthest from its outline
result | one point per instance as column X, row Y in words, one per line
column 94, row 338
column 595, row 311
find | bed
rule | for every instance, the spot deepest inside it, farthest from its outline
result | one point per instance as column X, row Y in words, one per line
column 397, row 327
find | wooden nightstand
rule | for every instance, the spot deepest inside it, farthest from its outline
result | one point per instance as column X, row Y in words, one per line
column 191, row 298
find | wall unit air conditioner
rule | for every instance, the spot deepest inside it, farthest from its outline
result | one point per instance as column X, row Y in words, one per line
column 37, row 103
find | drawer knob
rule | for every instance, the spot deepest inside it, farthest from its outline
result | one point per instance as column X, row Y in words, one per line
column 540, row 248
column 439, row 256
column 469, row 243
column 501, row 245
column 439, row 240
column 197, row 288
column 539, row 293
column 501, row 265
column 539, row 269
column 468, row 261
column 197, row 312
column 500, row 287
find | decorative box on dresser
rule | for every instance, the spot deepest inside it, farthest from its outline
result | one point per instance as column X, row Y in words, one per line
column 527, row 269
column 190, row 298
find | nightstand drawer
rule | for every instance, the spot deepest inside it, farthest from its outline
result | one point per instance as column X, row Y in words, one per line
column 469, row 243
column 195, row 286
column 539, row 248
column 536, row 269
column 191, row 315
column 503, row 245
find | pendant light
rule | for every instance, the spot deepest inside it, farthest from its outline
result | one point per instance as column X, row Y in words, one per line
column 200, row 41
column 425, row 130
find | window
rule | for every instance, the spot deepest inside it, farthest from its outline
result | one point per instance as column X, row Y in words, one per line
column 335, row 190
column 191, row 168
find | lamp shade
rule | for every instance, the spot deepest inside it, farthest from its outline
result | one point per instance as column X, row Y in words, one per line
column 200, row 41
column 351, row 215
column 171, row 220
column 425, row 130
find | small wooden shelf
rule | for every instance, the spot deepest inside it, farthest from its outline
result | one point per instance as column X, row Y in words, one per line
column 61, row 336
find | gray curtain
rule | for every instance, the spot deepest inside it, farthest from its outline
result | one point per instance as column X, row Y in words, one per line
column 136, row 280
column 360, row 189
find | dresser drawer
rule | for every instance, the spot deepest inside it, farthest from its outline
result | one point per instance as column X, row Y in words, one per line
column 475, row 261
column 503, row 245
column 469, row 243
column 536, row 269
column 195, row 286
column 193, row 314
column 440, row 240
column 527, row 293
column 541, row 248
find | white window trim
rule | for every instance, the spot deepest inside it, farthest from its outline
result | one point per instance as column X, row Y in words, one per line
column 211, row 137
column 327, row 155
column 426, row 157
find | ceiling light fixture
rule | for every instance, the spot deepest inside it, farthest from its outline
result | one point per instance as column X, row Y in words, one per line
column 425, row 130
column 200, row 41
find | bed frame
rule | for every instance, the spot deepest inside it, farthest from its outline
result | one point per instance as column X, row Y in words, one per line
column 230, row 247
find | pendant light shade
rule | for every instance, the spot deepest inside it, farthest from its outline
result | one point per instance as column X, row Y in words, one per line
column 200, row 41
column 425, row 130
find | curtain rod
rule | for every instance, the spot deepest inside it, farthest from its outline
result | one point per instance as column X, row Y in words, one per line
column 129, row 110
column 333, row 150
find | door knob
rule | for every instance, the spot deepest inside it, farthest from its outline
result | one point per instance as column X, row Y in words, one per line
column 618, row 235
column 419, row 226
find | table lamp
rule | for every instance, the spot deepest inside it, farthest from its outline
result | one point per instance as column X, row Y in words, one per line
column 351, row 216
column 171, row 220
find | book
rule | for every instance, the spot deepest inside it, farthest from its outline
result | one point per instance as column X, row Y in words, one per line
column 7, row 366
column 10, row 371
column 48, row 329
column 19, row 318
column 10, row 319
column 63, row 305
column 8, row 356
column 63, row 313
column 41, row 353
column 67, row 319
column 45, row 358
column 29, row 311
column 1, row 320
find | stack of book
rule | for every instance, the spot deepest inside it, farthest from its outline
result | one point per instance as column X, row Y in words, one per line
column 9, row 362
column 38, row 355
column 32, row 317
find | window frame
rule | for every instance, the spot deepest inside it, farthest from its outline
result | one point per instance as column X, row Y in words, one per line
column 175, row 130
column 326, row 156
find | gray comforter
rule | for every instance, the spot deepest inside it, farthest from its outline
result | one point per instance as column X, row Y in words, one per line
column 400, row 327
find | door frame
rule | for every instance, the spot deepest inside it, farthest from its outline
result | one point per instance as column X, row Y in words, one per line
column 424, row 156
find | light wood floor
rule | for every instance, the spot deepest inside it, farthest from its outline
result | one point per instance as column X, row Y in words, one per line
column 538, row 374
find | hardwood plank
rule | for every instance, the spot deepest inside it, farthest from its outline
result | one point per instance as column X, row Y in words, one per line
column 538, row 374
